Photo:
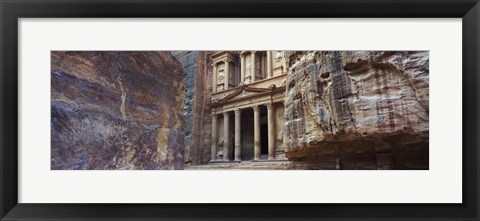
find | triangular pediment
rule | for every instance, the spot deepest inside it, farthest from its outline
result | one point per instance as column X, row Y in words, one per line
column 243, row 91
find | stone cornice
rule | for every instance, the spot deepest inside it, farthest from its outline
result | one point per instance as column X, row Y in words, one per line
column 252, row 84
column 260, row 93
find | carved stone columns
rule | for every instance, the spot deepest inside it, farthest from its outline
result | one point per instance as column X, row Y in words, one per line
column 242, row 68
column 226, row 137
column 214, row 138
column 256, row 133
column 271, row 132
column 238, row 148
column 269, row 64
column 254, row 68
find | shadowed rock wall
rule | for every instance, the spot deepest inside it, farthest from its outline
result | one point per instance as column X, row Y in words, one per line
column 189, row 60
column 116, row 110
column 197, row 105
column 358, row 110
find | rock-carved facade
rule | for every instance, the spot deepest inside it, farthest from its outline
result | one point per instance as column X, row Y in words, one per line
column 311, row 110
column 248, row 105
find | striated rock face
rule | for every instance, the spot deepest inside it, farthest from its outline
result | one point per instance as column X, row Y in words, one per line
column 358, row 110
column 189, row 61
column 116, row 110
column 197, row 105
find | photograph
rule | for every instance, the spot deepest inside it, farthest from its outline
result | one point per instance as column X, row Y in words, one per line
column 239, row 110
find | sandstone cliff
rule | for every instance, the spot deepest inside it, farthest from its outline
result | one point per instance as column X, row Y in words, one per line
column 197, row 105
column 358, row 109
column 116, row 110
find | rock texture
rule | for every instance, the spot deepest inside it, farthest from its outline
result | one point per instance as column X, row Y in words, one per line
column 116, row 110
column 197, row 105
column 189, row 61
column 358, row 110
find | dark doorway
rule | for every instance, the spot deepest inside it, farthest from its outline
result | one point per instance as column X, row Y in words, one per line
column 264, row 138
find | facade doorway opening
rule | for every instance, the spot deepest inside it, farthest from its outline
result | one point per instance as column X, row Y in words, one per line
column 264, row 139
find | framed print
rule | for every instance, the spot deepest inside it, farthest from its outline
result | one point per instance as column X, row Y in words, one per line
column 314, row 110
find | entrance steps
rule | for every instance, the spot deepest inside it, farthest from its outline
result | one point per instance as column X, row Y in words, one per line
column 243, row 165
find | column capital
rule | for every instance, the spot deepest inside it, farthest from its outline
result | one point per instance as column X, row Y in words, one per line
column 237, row 111
column 213, row 115
column 227, row 60
column 253, row 52
column 255, row 108
column 225, row 114
column 269, row 106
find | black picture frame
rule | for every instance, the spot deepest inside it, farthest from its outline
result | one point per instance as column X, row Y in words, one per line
column 12, row 10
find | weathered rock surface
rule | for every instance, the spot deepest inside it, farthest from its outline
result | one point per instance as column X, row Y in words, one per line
column 358, row 110
column 189, row 61
column 197, row 105
column 116, row 110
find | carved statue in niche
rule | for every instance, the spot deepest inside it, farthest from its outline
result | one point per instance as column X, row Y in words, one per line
column 248, row 73
column 278, row 57
column 221, row 77
column 220, row 142
column 280, row 137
